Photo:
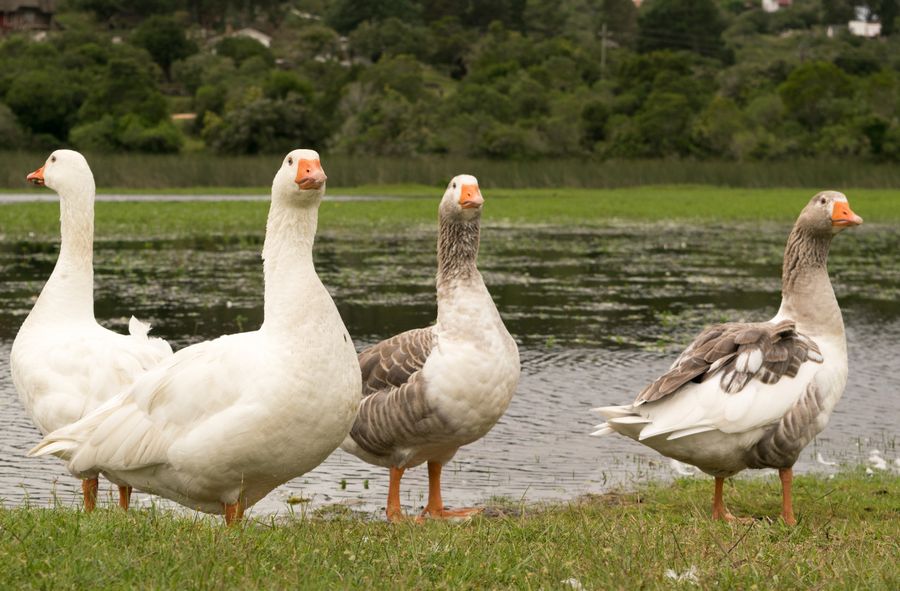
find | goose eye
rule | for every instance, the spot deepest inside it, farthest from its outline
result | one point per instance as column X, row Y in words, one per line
column 290, row 161
column 822, row 201
column 454, row 185
column 52, row 158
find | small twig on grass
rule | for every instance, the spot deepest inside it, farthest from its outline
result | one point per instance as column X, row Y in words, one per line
column 678, row 547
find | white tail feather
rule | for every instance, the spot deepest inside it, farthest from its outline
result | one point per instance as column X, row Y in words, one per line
column 693, row 431
column 630, row 420
column 52, row 447
column 139, row 329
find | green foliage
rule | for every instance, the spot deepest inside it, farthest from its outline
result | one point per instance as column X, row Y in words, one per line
column 817, row 93
column 163, row 37
column 508, row 79
column 240, row 49
column 695, row 25
column 11, row 134
column 266, row 126
column 45, row 100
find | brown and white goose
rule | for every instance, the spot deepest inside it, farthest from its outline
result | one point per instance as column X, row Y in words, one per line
column 429, row 391
column 753, row 395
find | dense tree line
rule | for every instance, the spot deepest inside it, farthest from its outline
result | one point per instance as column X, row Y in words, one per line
column 481, row 78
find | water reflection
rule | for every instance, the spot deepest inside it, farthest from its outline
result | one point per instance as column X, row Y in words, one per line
column 597, row 312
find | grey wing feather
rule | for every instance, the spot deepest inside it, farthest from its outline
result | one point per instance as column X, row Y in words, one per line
column 395, row 411
column 393, row 362
column 740, row 352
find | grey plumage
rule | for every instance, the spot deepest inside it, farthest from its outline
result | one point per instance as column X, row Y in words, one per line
column 738, row 352
column 395, row 412
column 781, row 445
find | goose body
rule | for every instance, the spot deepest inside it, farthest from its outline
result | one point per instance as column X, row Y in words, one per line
column 63, row 363
column 753, row 395
column 223, row 422
column 429, row 391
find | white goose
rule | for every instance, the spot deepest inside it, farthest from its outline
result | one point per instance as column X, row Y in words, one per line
column 63, row 363
column 223, row 422
column 753, row 395
column 429, row 391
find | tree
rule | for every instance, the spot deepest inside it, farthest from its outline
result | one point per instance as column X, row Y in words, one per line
column 816, row 93
column 267, row 126
column 163, row 37
column 45, row 100
column 240, row 49
column 345, row 15
column 126, row 87
column 693, row 25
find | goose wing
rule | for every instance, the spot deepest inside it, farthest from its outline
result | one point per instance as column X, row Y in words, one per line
column 392, row 362
column 395, row 411
column 739, row 353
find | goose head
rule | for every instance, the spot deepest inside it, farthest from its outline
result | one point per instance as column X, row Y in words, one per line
column 462, row 200
column 300, row 179
column 828, row 213
column 66, row 172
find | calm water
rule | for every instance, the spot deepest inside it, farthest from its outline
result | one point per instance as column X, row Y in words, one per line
column 598, row 313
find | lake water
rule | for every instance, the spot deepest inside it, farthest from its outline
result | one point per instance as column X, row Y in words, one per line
column 598, row 313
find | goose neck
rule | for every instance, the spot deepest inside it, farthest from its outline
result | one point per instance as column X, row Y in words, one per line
column 457, row 252
column 807, row 294
column 69, row 292
column 288, row 267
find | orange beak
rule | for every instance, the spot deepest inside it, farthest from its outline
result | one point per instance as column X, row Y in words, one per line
column 310, row 175
column 470, row 197
column 842, row 215
column 36, row 177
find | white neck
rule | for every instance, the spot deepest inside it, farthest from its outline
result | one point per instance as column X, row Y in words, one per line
column 290, row 277
column 69, row 293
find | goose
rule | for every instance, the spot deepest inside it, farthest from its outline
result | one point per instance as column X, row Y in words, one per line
column 63, row 363
column 429, row 391
column 753, row 395
column 221, row 423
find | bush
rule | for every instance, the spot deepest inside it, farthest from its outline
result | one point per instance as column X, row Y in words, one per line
column 266, row 126
column 11, row 134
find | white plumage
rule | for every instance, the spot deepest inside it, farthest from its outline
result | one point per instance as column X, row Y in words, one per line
column 63, row 363
column 223, row 422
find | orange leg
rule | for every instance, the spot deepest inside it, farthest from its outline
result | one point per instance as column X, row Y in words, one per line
column 394, row 511
column 435, row 506
column 124, row 497
column 719, row 510
column 234, row 512
column 89, row 487
column 787, row 503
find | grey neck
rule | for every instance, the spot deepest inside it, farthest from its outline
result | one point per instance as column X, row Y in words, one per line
column 807, row 295
column 457, row 252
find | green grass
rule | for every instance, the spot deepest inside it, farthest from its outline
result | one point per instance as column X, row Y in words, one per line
column 848, row 537
column 147, row 171
column 133, row 220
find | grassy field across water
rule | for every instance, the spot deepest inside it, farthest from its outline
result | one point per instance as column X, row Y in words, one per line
column 149, row 171
column 416, row 205
column 848, row 537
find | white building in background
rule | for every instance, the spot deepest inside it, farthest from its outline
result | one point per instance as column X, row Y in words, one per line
column 775, row 5
column 865, row 24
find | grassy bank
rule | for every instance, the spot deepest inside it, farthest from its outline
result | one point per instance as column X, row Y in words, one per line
column 848, row 537
column 146, row 171
column 522, row 206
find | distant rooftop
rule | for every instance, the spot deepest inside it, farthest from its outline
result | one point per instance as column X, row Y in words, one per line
column 42, row 5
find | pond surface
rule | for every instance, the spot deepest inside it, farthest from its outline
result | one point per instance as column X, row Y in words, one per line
column 598, row 313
